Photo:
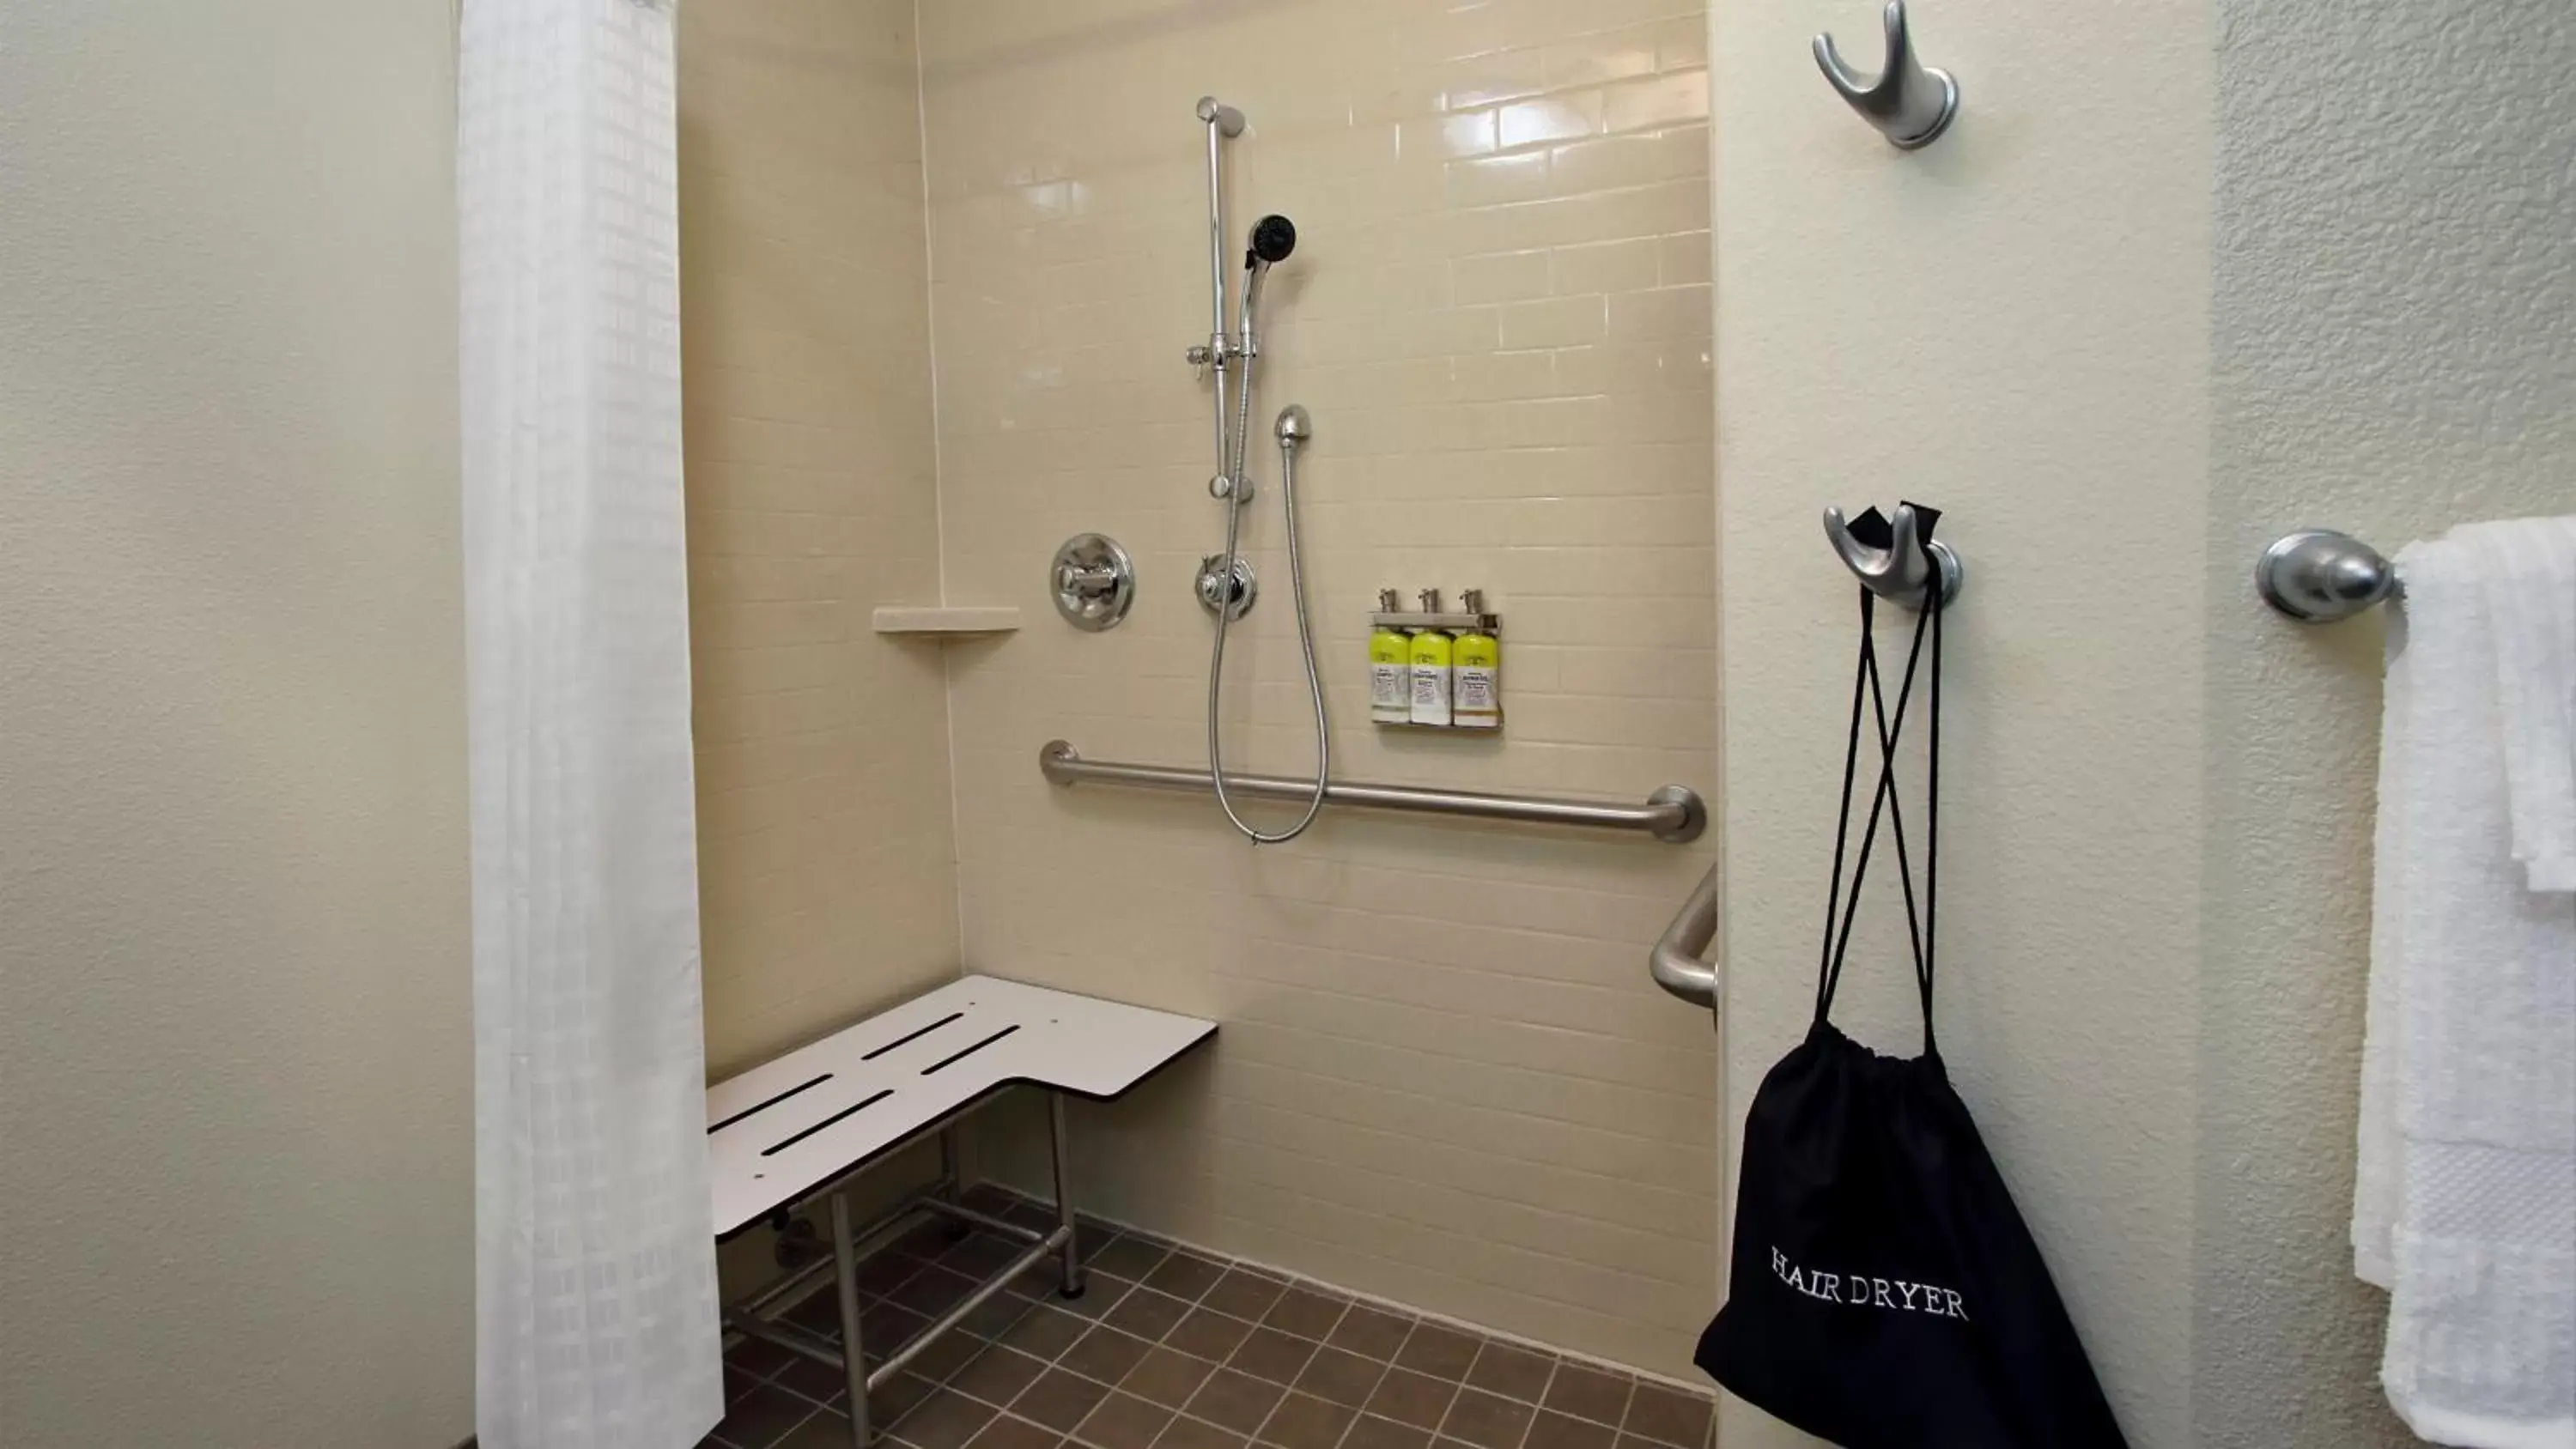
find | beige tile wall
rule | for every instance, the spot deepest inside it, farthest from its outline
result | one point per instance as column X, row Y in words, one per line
column 1444, row 1076
column 825, row 853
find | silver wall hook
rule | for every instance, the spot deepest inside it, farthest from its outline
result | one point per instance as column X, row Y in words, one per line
column 1908, row 103
column 1900, row 570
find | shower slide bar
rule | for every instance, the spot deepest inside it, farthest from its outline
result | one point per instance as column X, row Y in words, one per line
column 1674, row 813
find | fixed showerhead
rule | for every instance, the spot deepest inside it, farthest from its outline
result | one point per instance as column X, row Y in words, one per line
column 1273, row 238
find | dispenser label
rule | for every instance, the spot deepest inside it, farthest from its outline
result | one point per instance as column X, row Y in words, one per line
column 1430, row 694
column 1389, row 689
column 1475, row 690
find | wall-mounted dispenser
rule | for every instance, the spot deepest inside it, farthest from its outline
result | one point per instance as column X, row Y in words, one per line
column 1476, row 670
column 1431, row 654
column 1452, row 663
column 1390, row 664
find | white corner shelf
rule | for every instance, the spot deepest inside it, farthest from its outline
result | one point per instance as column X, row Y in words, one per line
column 946, row 621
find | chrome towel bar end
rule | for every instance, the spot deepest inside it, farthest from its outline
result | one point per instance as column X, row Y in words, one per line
column 2319, row 576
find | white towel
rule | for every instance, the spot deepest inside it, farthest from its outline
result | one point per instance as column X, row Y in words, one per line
column 2529, row 570
column 2375, row 1172
column 2465, row 1199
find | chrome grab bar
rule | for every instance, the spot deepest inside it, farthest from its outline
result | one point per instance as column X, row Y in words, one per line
column 1673, row 813
column 1676, row 960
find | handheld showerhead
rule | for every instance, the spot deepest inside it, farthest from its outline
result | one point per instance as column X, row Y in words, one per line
column 1273, row 238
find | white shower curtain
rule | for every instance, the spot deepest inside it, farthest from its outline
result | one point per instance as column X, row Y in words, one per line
column 595, row 1267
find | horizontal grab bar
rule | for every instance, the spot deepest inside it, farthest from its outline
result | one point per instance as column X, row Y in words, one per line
column 1673, row 813
column 1676, row 960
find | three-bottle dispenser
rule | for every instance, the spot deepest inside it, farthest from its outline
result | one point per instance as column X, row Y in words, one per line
column 1435, row 668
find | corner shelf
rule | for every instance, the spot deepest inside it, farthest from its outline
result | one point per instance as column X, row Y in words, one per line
column 933, row 620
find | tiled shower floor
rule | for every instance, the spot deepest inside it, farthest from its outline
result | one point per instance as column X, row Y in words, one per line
column 1173, row 1348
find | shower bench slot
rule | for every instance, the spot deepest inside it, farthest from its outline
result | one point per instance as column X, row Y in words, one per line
column 806, row 1124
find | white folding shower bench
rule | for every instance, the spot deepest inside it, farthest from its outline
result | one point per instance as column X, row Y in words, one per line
column 807, row 1124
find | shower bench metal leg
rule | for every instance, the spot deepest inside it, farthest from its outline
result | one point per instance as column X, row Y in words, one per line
column 845, row 1282
column 1073, row 1284
column 1061, row 1243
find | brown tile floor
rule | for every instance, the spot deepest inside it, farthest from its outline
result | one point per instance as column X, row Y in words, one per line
column 1175, row 1348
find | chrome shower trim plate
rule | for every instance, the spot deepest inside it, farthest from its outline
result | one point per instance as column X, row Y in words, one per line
column 1211, row 590
column 1093, row 582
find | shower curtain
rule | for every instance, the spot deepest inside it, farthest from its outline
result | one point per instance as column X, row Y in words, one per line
column 595, row 1268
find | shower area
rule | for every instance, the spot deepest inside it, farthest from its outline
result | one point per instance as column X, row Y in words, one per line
column 946, row 306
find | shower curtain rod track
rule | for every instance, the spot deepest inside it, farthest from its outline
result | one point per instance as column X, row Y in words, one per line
column 1673, row 813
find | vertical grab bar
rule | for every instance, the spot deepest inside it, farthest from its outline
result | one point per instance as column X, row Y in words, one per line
column 1676, row 962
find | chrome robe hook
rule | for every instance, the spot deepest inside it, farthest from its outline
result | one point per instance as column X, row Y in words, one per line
column 1909, row 104
column 1894, row 558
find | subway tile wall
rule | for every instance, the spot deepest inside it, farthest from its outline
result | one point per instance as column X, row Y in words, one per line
column 1444, row 1076
column 826, row 862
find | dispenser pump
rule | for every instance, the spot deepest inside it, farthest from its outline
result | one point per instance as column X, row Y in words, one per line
column 1430, row 656
column 1390, row 665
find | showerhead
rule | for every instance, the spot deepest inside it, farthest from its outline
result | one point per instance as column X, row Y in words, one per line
column 1273, row 238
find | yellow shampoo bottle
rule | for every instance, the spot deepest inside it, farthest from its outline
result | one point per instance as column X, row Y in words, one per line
column 1390, row 667
column 1431, row 653
column 1476, row 672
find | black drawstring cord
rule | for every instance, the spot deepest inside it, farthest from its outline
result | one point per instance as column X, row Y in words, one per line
column 1830, row 977
column 1861, row 674
column 1937, row 602
column 1895, row 802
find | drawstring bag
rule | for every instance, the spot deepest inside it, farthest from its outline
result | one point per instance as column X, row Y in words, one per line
column 1885, row 1293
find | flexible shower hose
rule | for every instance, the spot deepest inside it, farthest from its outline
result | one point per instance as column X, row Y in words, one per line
column 1225, row 612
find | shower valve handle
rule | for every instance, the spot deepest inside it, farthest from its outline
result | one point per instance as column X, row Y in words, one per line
column 1088, row 583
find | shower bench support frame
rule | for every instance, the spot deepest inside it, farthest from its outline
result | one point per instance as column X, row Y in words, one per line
column 808, row 1124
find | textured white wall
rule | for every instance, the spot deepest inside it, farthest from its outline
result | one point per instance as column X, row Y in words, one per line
column 2180, row 279
column 235, row 1161
column 2009, row 325
column 2392, row 350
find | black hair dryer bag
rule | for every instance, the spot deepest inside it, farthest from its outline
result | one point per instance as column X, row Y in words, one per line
column 1885, row 1293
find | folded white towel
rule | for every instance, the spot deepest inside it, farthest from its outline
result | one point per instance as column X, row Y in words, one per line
column 2375, row 1173
column 2465, row 1203
column 2528, row 568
